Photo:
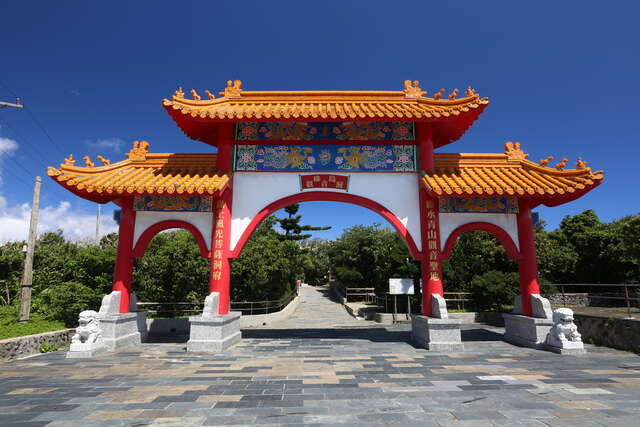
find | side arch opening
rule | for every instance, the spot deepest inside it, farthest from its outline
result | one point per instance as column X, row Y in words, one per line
column 145, row 238
column 503, row 237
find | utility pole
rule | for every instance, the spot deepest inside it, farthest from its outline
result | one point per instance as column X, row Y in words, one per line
column 17, row 104
column 27, row 274
column 98, row 225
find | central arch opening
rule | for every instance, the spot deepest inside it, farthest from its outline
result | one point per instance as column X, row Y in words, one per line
column 360, row 250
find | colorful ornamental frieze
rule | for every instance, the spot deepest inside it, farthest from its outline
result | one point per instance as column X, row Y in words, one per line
column 352, row 158
column 325, row 131
column 173, row 203
column 376, row 149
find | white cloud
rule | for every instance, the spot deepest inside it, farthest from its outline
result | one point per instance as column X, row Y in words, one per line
column 14, row 222
column 7, row 148
column 114, row 144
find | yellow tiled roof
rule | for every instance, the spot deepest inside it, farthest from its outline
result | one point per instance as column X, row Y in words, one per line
column 148, row 174
column 451, row 115
column 335, row 105
column 509, row 174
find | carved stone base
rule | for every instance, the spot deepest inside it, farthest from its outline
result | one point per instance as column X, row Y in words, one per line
column 441, row 335
column 570, row 348
column 120, row 330
column 214, row 334
column 81, row 350
column 526, row 331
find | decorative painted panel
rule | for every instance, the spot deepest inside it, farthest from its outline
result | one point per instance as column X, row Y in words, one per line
column 478, row 204
column 173, row 203
column 338, row 182
column 325, row 131
column 353, row 158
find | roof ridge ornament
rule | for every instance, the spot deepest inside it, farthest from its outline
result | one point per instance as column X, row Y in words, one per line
column 454, row 94
column 209, row 94
column 412, row 90
column 87, row 162
column 513, row 151
column 545, row 162
column 195, row 95
column 69, row 161
column 179, row 93
column 560, row 166
column 104, row 161
column 139, row 151
column 581, row 164
column 233, row 89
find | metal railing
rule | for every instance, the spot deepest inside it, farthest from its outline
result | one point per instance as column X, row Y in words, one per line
column 178, row 309
column 627, row 299
column 262, row 307
column 366, row 294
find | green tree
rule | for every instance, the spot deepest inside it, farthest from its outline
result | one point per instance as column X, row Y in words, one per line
column 11, row 260
column 474, row 254
column 292, row 227
column 316, row 261
column 367, row 256
column 268, row 266
column 171, row 270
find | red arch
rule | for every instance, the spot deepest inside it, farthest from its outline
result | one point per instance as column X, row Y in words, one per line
column 503, row 237
column 149, row 233
column 328, row 196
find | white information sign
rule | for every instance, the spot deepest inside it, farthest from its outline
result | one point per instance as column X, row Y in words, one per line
column 401, row 286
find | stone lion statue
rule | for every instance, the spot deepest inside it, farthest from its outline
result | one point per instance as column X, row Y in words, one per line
column 88, row 330
column 563, row 331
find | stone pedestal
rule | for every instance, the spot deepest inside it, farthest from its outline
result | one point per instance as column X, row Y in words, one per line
column 120, row 330
column 570, row 348
column 214, row 333
column 525, row 330
column 82, row 350
column 442, row 335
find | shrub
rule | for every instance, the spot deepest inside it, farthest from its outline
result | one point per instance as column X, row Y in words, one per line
column 495, row 289
column 65, row 301
column 47, row 348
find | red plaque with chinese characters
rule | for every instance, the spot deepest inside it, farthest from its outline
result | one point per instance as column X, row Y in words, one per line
column 336, row 182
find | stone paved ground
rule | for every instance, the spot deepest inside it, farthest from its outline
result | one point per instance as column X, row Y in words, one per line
column 322, row 367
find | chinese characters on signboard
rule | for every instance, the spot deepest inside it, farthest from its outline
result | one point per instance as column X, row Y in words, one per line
column 336, row 182
column 432, row 241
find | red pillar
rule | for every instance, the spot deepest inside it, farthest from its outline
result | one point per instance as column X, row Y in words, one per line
column 431, row 266
column 220, row 272
column 225, row 148
column 527, row 265
column 124, row 257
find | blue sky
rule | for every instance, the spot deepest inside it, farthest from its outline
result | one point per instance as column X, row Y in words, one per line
column 561, row 77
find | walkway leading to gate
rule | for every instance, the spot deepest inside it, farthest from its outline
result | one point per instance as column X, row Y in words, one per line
column 317, row 311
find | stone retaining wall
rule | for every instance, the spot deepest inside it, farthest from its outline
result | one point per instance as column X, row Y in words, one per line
column 623, row 334
column 13, row 348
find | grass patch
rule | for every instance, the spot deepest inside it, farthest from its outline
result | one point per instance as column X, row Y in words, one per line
column 37, row 324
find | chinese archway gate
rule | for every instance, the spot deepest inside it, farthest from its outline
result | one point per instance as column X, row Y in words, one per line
column 371, row 148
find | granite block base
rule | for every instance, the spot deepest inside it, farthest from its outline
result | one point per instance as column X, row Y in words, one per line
column 214, row 334
column 441, row 335
column 526, row 331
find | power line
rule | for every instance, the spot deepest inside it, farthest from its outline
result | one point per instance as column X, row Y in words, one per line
column 35, row 120
column 23, row 139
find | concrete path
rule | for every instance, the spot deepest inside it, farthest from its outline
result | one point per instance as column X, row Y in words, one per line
column 320, row 367
column 317, row 311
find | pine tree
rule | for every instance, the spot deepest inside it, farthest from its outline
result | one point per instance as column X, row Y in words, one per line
column 292, row 227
